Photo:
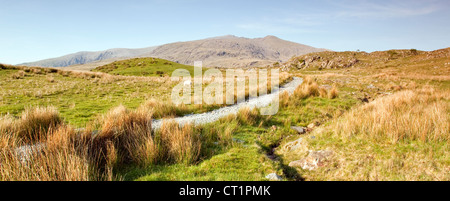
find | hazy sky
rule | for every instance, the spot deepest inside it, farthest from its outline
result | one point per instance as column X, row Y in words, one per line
column 36, row 29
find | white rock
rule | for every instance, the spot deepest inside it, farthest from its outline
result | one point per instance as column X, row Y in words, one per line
column 273, row 177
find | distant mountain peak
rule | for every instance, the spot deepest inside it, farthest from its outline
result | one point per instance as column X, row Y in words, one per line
column 271, row 37
column 225, row 37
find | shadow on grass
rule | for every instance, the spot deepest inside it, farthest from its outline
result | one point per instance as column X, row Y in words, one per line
column 290, row 173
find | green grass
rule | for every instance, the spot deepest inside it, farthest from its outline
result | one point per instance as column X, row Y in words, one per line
column 79, row 100
column 245, row 159
column 240, row 159
column 80, row 97
column 242, row 155
column 357, row 157
column 144, row 67
column 361, row 159
column 237, row 164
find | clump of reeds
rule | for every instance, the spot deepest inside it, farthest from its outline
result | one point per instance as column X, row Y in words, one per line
column 35, row 123
column 410, row 114
column 309, row 88
column 121, row 135
column 179, row 144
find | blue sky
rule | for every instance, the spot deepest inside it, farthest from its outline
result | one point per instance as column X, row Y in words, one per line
column 38, row 29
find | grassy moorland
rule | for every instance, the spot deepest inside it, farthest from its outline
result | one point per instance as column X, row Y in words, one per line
column 383, row 116
column 143, row 67
column 380, row 116
column 81, row 97
column 399, row 130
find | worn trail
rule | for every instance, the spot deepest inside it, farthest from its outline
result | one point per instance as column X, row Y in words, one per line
column 212, row 116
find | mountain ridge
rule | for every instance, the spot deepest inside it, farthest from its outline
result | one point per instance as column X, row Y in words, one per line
column 221, row 51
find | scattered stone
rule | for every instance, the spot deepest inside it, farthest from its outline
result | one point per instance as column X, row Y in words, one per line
column 311, row 125
column 300, row 130
column 24, row 153
column 313, row 137
column 371, row 86
column 298, row 144
column 314, row 160
column 238, row 140
column 273, row 177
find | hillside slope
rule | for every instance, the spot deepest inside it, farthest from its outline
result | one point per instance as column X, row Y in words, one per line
column 143, row 67
column 422, row 63
column 86, row 57
column 225, row 51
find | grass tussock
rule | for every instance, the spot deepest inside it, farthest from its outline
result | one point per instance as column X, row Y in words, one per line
column 65, row 154
column 333, row 93
column 248, row 116
column 34, row 124
column 57, row 160
column 406, row 115
column 179, row 144
column 124, row 137
column 121, row 135
column 309, row 88
column 19, row 75
column 161, row 109
column 8, row 136
column 284, row 99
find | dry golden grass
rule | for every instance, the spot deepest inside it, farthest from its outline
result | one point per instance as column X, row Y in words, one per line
column 333, row 93
column 307, row 89
column 284, row 99
column 403, row 136
column 310, row 88
column 50, row 79
column 8, row 135
column 58, row 160
column 323, row 92
column 160, row 109
column 411, row 114
column 20, row 74
column 64, row 154
column 248, row 116
column 35, row 123
column 180, row 144
column 122, row 133
column 148, row 153
column 402, row 132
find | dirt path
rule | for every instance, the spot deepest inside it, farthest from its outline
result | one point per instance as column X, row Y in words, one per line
column 208, row 117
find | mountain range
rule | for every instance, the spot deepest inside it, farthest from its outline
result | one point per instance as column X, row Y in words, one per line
column 223, row 51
